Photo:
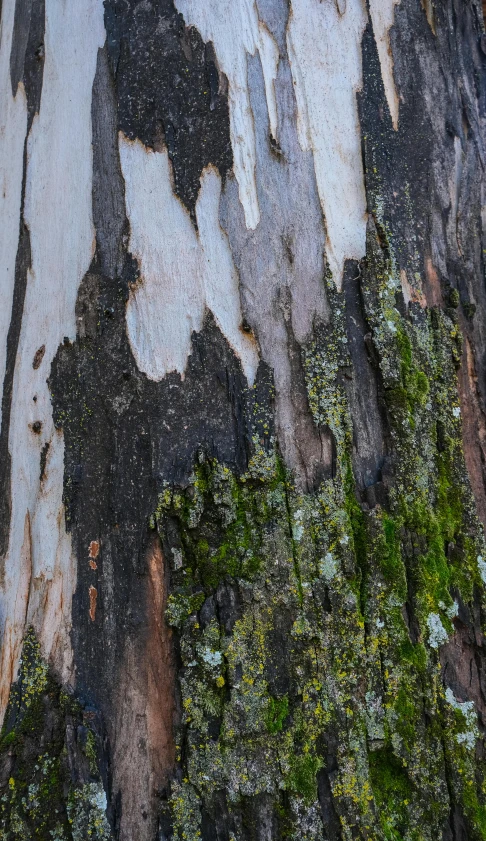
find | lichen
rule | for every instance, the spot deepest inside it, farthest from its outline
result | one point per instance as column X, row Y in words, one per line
column 39, row 798
column 300, row 615
column 86, row 809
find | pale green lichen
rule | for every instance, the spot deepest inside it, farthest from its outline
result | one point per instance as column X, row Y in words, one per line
column 334, row 586
column 437, row 633
column 86, row 809
column 41, row 799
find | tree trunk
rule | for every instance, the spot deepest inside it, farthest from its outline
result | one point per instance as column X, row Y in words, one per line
column 243, row 420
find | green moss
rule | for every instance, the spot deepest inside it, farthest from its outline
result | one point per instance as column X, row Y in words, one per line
column 393, row 793
column 407, row 714
column 303, row 776
column 217, row 520
column 453, row 298
column 277, row 712
column 412, row 389
column 404, row 347
column 36, row 801
column 91, row 753
column 391, row 557
column 414, row 655
column 357, row 522
column 299, row 615
column 469, row 310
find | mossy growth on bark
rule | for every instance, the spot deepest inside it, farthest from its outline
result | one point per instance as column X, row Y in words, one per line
column 50, row 785
column 313, row 629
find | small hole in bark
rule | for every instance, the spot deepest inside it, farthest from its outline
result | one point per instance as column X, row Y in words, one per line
column 36, row 427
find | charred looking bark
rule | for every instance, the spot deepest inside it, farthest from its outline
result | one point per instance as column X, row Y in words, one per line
column 27, row 56
column 102, row 402
column 182, row 102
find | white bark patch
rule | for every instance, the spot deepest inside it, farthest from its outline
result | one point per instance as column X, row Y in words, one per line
column 382, row 16
column 182, row 271
column 13, row 125
column 281, row 264
column 235, row 30
column 324, row 48
column 58, row 214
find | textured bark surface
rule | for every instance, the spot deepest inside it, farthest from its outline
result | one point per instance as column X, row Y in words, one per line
column 243, row 420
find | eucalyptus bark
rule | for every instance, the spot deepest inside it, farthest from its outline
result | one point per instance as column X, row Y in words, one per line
column 243, row 429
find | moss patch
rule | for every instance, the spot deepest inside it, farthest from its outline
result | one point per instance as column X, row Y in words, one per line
column 38, row 797
column 299, row 615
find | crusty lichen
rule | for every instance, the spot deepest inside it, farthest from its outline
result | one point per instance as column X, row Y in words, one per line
column 39, row 798
column 304, row 614
column 310, row 627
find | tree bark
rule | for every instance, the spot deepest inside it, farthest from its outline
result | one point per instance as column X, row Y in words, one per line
column 243, row 429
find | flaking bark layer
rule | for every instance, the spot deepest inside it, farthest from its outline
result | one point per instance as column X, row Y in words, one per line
column 269, row 646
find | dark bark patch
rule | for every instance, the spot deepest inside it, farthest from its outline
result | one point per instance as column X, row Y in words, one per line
column 217, row 822
column 169, row 90
column 27, row 54
column 51, row 745
column 21, row 267
column 146, row 710
column 363, row 386
column 473, row 427
column 125, row 438
column 463, row 658
column 315, row 447
column 326, row 775
column 277, row 672
column 43, row 460
column 38, row 357
column 398, row 163
column 108, row 185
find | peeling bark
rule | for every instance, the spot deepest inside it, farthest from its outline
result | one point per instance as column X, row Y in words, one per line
column 242, row 443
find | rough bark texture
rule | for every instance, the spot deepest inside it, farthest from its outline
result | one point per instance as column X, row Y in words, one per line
column 243, row 429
